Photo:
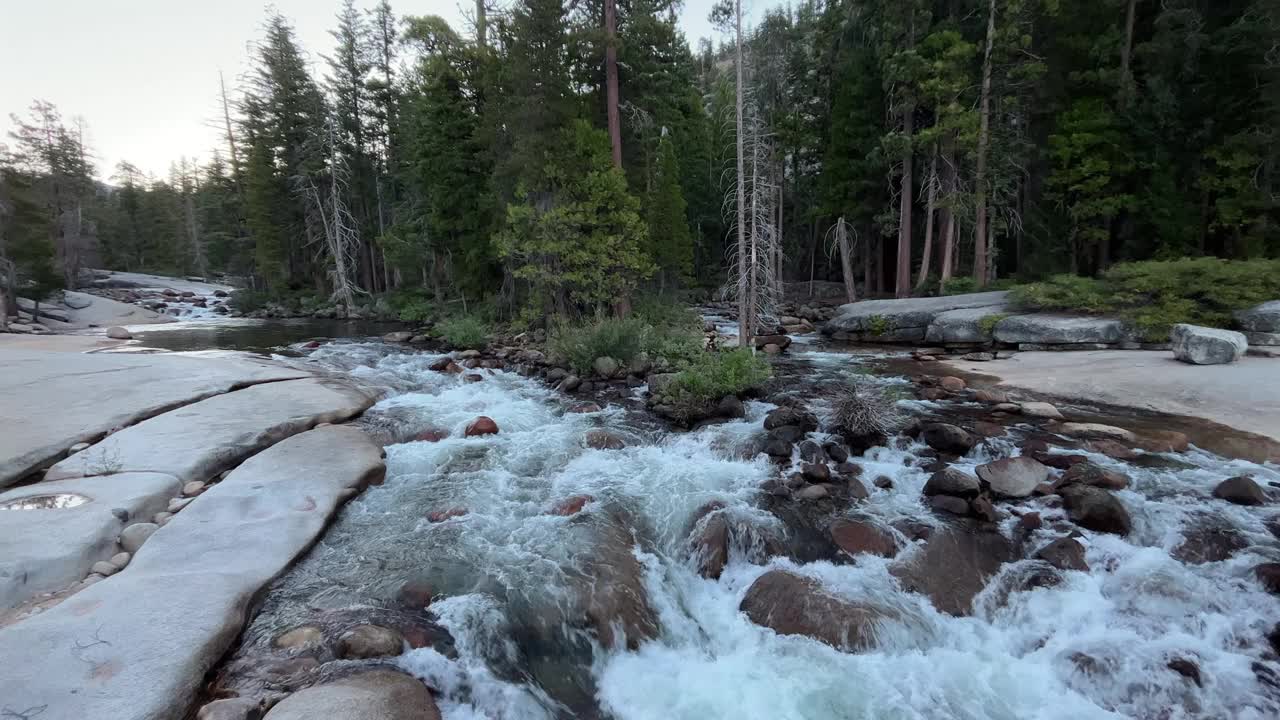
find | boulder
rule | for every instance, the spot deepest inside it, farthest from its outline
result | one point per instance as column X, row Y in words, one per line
column 949, row 438
column 813, row 492
column 1264, row 318
column 1264, row 339
column 239, row 708
column 1095, row 431
column 793, row 416
column 1064, row 554
column 381, row 694
column 399, row 336
column 482, row 425
column 1111, row 449
column 950, row 383
column 1209, row 543
column 904, row 320
column 606, row 367
column 965, row 325
column 132, row 537
column 791, row 604
column 1096, row 509
column 950, row 481
column 816, row 472
column 781, row 342
column 730, row 407
column 369, row 641
column 1015, row 477
column 118, row 333
column 1040, row 410
column 949, row 504
column 76, row 301
column 603, row 440
column 1087, row 473
column 709, row 540
column 1053, row 329
column 1206, row 346
column 1241, row 490
column 995, row 397
column 571, row 505
column 1269, row 575
column 955, row 565
column 610, row 594
column 863, row 536
column 303, row 636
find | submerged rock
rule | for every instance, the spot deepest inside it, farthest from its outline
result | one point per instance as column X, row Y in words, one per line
column 1087, row 473
column 369, row 641
column 1064, row 554
column 791, row 604
column 482, row 425
column 950, row 481
column 1241, row 490
column 955, row 565
column 1096, row 509
column 863, row 536
column 948, row 438
column 377, row 695
column 791, row 416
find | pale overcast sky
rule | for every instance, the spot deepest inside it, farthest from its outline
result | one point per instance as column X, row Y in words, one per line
column 144, row 73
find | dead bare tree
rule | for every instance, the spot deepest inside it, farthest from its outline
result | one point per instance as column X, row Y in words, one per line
column 931, row 192
column 981, row 244
column 327, row 206
column 838, row 241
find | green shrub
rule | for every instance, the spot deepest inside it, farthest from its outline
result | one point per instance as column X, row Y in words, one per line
column 249, row 300
column 988, row 323
column 1152, row 296
column 879, row 325
column 712, row 376
column 464, row 331
column 675, row 338
column 412, row 305
column 580, row 345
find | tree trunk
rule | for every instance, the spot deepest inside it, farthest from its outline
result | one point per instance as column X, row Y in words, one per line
column 846, row 260
column 744, row 340
column 926, row 257
column 902, row 288
column 868, row 267
column 980, row 245
column 611, row 78
column 948, row 215
column 482, row 25
column 1126, row 52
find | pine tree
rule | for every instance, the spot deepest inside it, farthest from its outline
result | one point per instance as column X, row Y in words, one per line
column 671, row 246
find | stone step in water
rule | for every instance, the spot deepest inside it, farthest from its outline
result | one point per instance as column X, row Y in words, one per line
column 198, row 441
column 138, row 644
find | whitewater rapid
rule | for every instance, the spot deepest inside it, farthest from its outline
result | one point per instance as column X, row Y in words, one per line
column 1017, row 657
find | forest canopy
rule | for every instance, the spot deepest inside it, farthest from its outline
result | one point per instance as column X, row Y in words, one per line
column 557, row 158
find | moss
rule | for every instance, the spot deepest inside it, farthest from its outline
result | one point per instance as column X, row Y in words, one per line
column 988, row 323
column 879, row 325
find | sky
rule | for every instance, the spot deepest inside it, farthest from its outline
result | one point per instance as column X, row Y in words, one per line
column 143, row 74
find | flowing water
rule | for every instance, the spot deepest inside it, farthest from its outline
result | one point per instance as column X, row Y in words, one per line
column 508, row 574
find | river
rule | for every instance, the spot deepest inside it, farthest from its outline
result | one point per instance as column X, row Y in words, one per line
column 506, row 572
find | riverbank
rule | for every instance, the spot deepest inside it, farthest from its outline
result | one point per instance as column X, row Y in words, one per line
column 1244, row 395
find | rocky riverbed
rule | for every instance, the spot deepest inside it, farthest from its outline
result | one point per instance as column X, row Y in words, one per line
column 538, row 549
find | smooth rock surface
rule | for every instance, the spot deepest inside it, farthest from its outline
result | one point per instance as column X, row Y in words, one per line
column 1051, row 329
column 895, row 319
column 198, row 441
column 97, row 392
column 375, row 695
column 47, row 550
column 139, row 644
column 1264, row 318
column 964, row 325
column 1015, row 477
column 1207, row 346
column 791, row 604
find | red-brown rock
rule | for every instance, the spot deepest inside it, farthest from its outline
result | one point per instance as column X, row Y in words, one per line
column 431, row 435
column 861, row 536
column 436, row 516
column 571, row 505
column 483, row 425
